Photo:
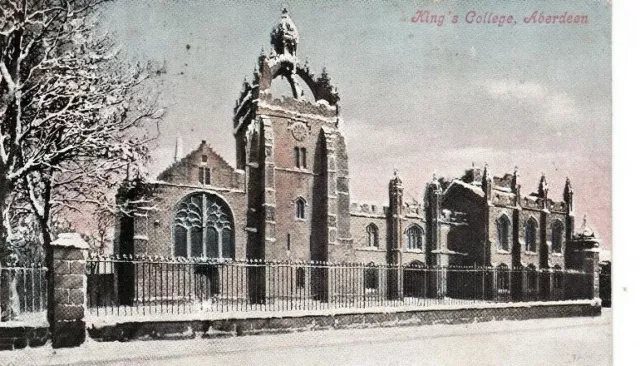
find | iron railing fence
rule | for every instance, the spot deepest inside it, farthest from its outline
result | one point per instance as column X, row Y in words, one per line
column 23, row 292
column 141, row 285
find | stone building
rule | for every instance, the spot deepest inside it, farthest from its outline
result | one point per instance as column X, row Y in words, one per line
column 287, row 197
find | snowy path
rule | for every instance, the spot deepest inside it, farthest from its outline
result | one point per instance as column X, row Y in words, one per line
column 571, row 341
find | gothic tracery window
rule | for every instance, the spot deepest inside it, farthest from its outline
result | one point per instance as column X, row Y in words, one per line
column 372, row 236
column 556, row 236
column 203, row 227
column 414, row 237
column 530, row 233
column 503, row 232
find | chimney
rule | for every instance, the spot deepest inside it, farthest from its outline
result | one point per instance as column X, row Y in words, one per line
column 178, row 152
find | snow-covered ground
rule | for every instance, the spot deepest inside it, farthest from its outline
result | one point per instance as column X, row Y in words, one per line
column 565, row 341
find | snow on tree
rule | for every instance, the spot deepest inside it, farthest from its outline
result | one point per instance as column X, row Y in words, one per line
column 73, row 118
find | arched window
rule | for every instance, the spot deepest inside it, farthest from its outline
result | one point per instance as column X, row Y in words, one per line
column 371, row 277
column 503, row 232
column 414, row 237
column 300, row 208
column 203, row 227
column 372, row 235
column 530, row 233
column 557, row 231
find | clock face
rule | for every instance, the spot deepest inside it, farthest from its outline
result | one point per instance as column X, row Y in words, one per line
column 299, row 131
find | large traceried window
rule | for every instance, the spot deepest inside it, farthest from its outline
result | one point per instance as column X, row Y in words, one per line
column 503, row 232
column 557, row 231
column 414, row 237
column 372, row 236
column 203, row 227
column 530, row 234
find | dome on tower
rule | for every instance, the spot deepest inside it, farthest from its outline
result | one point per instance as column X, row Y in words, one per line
column 284, row 36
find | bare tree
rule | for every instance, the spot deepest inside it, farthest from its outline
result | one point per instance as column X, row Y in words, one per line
column 72, row 121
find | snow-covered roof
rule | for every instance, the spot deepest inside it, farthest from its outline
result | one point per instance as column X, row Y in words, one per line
column 473, row 188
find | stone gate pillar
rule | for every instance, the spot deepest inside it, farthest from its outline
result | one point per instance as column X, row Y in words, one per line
column 67, row 289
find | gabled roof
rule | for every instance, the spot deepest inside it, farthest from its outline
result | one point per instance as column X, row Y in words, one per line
column 202, row 148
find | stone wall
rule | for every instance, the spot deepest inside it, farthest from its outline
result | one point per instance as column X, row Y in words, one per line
column 124, row 331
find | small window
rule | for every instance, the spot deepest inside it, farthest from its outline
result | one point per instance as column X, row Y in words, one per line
column 300, row 157
column 288, row 241
column 300, row 277
column 300, row 208
column 205, row 158
column 303, row 157
column 204, row 175
column 414, row 237
column 372, row 236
